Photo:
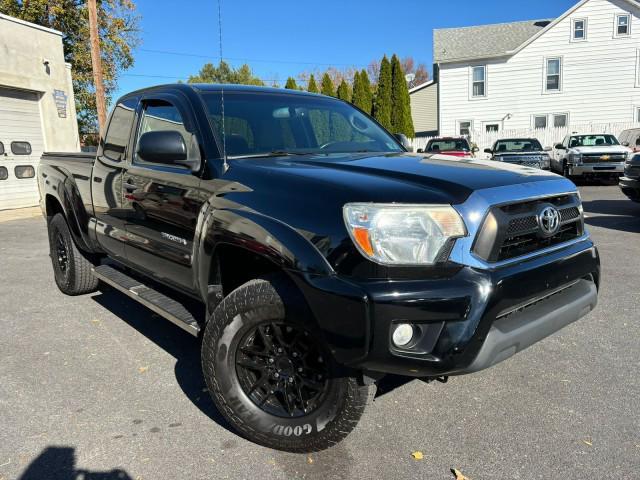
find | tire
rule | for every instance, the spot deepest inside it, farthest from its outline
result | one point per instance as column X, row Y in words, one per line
column 565, row 169
column 255, row 313
column 71, row 268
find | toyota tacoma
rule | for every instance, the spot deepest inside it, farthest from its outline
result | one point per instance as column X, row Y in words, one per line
column 310, row 252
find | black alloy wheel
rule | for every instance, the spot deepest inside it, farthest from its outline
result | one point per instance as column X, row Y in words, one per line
column 282, row 369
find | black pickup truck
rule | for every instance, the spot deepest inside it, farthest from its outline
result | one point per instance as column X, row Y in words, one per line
column 322, row 254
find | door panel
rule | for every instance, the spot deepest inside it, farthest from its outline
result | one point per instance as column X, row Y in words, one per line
column 106, row 182
column 163, row 203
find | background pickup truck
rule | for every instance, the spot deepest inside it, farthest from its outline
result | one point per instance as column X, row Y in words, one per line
column 589, row 155
column 311, row 252
column 520, row 151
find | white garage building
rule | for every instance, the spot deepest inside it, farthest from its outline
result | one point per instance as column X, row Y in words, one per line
column 37, row 107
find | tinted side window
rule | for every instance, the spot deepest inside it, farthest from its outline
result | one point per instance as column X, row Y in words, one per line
column 21, row 148
column 160, row 115
column 117, row 137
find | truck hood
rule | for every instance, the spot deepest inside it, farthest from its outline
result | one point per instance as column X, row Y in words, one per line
column 601, row 149
column 400, row 177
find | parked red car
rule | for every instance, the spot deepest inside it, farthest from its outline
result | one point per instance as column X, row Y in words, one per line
column 455, row 146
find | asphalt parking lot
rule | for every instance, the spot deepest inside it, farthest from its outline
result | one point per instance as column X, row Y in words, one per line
column 98, row 387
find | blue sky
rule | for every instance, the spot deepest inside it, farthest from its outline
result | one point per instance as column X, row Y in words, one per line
column 279, row 38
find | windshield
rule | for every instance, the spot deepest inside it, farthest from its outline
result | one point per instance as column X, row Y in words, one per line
column 261, row 123
column 592, row 140
column 448, row 145
column 518, row 145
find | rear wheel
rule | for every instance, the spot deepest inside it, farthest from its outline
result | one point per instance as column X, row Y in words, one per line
column 71, row 268
column 271, row 376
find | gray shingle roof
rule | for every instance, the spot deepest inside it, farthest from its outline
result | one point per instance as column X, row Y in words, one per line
column 456, row 44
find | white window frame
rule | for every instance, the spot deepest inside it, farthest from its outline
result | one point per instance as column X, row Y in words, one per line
column 560, row 74
column 540, row 115
column 471, row 82
column 637, row 67
column 636, row 114
column 584, row 29
column 492, row 122
column 557, row 114
column 459, row 122
column 616, row 18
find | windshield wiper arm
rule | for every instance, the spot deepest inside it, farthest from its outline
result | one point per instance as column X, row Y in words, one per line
column 273, row 153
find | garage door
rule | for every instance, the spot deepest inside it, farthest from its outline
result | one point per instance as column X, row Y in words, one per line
column 21, row 145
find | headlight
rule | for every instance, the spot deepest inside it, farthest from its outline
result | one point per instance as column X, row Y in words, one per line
column 545, row 162
column 402, row 234
column 576, row 158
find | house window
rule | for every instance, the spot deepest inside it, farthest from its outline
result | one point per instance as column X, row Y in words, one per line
column 623, row 25
column 478, row 82
column 464, row 127
column 492, row 127
column 560, row 119
column 579, row 29
column 638, row 114
column 540, row 121
column 553, row 80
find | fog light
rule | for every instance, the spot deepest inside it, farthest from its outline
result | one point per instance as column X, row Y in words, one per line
column 402, row 335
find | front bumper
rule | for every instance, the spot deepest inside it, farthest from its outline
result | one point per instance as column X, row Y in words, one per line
column 630, row 187
column 467, row 322
column 596, row 169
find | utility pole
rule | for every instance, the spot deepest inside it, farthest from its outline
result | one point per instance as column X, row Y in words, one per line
column 96, row 63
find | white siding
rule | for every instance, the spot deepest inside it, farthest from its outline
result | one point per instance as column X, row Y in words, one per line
column 424, row 108
column 599, row 81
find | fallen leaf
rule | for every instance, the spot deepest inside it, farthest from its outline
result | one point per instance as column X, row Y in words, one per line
column 95, row 320
column 417, row 455
column 143, row 369
column 459, row 475
column 587, row 442
column 309, row 460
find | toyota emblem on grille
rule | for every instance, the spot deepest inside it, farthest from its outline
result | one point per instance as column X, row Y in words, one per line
column 549, row 220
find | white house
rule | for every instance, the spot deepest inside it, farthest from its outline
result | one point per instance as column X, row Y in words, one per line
column 580, row 68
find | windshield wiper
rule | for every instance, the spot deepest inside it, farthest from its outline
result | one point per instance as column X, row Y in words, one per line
column 273, row 153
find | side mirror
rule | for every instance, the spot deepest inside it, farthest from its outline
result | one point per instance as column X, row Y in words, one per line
column 489, row 151
column 420, row 150
column 625, row 144
column 559, row 146
column 474, row 149
column 166, row 147
column 547, row 149
column 404, row 141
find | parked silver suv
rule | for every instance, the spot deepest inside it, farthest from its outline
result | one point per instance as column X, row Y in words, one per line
column 598, row 154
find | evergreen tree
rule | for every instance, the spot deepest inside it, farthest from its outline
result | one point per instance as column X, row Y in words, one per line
column 343, row 91
column 362, row 96
column 367, row 104
column 383, row 101
column 401, row 121
column 357, row 97
column 291, row 84
column 311, row 85
column 326, row 86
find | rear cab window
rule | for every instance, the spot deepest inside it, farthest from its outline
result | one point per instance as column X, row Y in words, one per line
column 117, row 137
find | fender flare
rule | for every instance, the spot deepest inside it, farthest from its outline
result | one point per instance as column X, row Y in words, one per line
column 65, row 191
column 257, row 233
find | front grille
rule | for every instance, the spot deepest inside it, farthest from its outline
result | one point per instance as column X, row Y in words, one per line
column 603, row 157
column 513, row 230
column 526, row 160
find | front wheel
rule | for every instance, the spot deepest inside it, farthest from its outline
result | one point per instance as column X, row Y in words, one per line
column 271, row 376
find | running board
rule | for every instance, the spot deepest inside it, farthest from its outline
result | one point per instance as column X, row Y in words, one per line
column 150, row 298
